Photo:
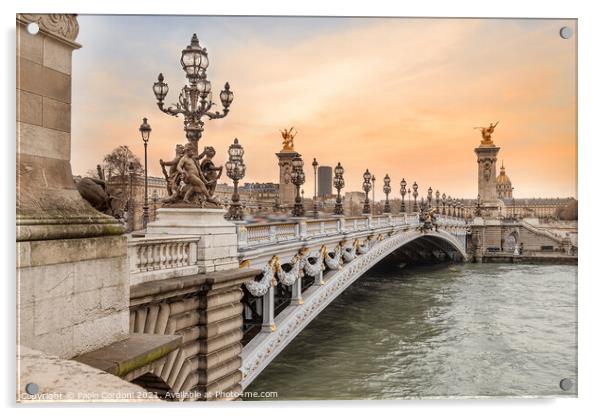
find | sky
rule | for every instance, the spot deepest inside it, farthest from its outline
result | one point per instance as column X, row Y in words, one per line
column 395, row 96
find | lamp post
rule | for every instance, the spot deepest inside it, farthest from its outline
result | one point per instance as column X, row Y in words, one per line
column 315, row 166
column 415, row 195
column 387, row 191
column 366, row 187
column 145, row 130
column 373, row 198
column 235, row 169
column 298, row 179
column 429, row 197
column 443, row 202
column 437, row 200
column 130, row 207
column 339, row 183
column 403, row 191
column 195, row 100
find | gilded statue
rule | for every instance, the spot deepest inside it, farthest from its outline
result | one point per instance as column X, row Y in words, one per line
column 486, row 133
column 287, row 139
column 428, row 218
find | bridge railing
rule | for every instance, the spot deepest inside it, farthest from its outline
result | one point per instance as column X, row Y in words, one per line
column 252, row 235
column 158, row 257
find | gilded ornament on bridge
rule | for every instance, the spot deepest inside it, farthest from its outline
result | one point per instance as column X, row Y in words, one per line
column 63, row 25
column 287, row 139
column 486, row 133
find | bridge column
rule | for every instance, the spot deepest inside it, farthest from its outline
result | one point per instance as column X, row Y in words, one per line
column 297, row 297
column 302, row 229
column 272, row 233
column 319, row 280
column 242, row 234
column 267, row 302
column 341, row 225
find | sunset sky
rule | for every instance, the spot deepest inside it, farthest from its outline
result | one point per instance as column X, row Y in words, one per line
column 396, row 96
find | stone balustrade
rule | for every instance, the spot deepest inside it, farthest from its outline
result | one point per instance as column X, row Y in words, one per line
column 161, row 257
column 251, row 235
column 158, row 257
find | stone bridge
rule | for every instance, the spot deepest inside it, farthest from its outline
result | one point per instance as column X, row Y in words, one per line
column 235, row 321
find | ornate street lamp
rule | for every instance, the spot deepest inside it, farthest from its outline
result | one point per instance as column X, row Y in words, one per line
column 415, row 195
column 367, row 186
column 130, row 206
column 298, row 179
column 235, row 169
column 429, row 196
column 443, row 201
column 315, row 166
column 339, row 183
column 373, row 199
column 403, row 191
column 195, row 100
column 387, row 191
column 145, row 130
column 437, row 201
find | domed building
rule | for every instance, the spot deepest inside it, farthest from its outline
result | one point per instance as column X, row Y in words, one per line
column 503, row 184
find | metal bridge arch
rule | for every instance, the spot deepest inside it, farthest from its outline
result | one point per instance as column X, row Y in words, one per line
column 264, row 347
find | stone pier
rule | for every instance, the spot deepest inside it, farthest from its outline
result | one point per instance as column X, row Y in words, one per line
column 72, row 285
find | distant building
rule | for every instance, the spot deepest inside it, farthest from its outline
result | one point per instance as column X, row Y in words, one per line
column 541, row 208
column 261, row 196
column 324, row 181
column 503, row 184
column 353, row 203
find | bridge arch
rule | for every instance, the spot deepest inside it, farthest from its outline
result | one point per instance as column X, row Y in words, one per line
column 340, row 270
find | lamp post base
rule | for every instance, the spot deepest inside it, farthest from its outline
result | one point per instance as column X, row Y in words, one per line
column 235, row 213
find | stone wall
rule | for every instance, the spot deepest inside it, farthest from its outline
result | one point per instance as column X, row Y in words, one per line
column 491, row 236
column 205, row 309
column 72, row 281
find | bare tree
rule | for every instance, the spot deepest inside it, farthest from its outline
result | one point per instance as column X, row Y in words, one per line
column 116, row 163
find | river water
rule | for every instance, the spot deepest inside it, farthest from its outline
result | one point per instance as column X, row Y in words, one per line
column 452, row 330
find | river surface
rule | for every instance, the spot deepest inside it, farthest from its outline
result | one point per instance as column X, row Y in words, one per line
column 452, row 330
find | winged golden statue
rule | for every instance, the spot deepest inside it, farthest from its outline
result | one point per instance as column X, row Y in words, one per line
column 287, row 139
column 486, row 133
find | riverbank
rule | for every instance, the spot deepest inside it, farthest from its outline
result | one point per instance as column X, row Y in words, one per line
column 530, row 259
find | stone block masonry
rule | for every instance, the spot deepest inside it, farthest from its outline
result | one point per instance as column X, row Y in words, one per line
column 206, row 310
column 72, row 300
column 72, row 275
